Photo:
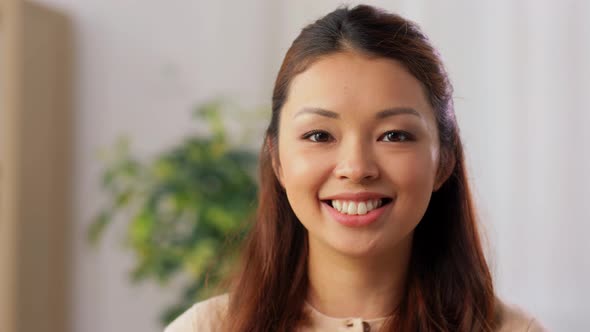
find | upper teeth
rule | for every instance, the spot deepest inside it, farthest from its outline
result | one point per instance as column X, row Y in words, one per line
column 351, row 207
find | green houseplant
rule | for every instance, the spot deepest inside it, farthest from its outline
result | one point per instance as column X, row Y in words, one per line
column 186, row 209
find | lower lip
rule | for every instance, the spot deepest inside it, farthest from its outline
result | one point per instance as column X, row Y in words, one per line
column 355, row 220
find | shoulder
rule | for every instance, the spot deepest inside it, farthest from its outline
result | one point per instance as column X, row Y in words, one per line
column 205, row 316
column 513, row 318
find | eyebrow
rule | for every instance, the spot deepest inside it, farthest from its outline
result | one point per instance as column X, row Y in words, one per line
column 380, row 115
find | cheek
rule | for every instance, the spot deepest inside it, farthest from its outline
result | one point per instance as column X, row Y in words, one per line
column 419, row 172
column 414, row 179
column 302, row 169
column 303, row 174
column 416, row 169
column 295, row 167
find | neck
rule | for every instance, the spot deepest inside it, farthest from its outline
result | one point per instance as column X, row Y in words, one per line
column 366, row 287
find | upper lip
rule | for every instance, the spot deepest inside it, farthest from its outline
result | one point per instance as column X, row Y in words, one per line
column 359, row 196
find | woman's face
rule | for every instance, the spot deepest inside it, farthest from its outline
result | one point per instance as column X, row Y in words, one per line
column 358, row 153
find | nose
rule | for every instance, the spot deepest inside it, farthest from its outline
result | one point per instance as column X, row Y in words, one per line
column 357, row 163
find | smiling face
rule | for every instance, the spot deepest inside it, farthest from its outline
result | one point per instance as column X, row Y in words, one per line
column 357, row 153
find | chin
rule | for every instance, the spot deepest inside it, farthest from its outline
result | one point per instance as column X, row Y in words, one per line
column 369, row 245
column 358, row 246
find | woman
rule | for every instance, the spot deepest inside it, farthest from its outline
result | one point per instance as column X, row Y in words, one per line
column 365, row 218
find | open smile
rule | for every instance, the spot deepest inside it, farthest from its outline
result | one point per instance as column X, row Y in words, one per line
column 356, row 213
column 356, row 207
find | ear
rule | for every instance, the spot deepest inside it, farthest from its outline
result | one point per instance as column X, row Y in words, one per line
column 446, row 166
column 274, row 158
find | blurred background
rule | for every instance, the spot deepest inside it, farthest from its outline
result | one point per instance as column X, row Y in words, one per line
column 79, row 75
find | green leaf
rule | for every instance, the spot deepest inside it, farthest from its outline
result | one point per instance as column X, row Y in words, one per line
column 98, row 226
column 181, row 206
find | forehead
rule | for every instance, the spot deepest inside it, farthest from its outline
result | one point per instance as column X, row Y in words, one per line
column 352, row 81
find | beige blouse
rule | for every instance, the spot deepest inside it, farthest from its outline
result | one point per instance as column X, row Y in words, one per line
column 205, row 317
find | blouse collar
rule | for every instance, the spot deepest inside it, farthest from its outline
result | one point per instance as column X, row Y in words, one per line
column 322, row 322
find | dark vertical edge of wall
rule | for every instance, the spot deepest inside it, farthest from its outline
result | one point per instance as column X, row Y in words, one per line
column 45, row 151
column 9, row 214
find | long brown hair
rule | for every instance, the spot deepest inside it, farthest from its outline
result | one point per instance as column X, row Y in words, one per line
column 449, row 286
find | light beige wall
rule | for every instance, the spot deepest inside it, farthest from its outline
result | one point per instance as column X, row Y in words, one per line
column 148, row 63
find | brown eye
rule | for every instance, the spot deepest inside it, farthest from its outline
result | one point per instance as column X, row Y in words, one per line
column 396, row 136
column 318, row 136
